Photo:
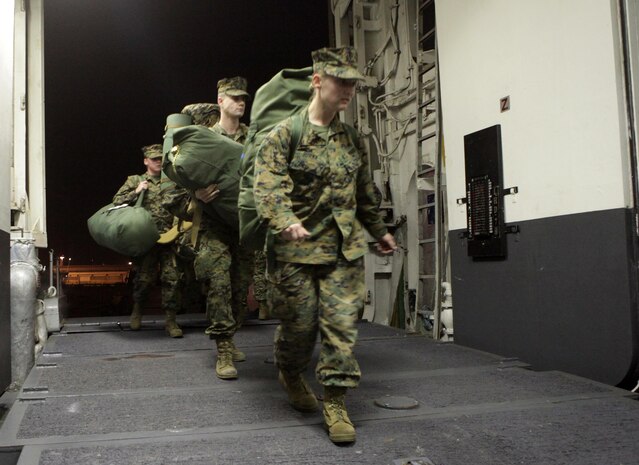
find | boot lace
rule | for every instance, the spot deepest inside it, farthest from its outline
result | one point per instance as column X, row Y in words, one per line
column 338, row 409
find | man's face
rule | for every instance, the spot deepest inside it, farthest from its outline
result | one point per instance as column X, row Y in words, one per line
column 153, row 165
column 232, row 105
column 336, row 93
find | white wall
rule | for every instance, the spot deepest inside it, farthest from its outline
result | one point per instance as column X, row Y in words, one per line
column 564, row 139
column 6, row 111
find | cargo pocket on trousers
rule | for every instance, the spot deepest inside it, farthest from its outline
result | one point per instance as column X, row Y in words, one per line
column 277, row 290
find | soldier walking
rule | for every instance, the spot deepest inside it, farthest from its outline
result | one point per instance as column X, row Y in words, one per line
column 220, row 264
column 317, row 201
column 220, row 261
column 161, row 257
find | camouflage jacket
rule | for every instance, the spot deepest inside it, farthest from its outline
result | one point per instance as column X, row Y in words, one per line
column 326, row 186
column 239, row 136
column 152, row 199
column 176, row 199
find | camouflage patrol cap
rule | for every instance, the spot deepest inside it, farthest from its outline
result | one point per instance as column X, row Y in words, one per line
column 152, row 151
column 204, row 114
column 232, row 86
column 340, row 62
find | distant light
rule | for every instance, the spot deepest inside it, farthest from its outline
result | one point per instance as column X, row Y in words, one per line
column 130, row 263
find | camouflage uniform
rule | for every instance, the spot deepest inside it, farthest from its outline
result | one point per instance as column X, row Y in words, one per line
column 318, row 283
column 260, row 284
column 212, row 265
column 250, row 266
column 226, row 265
column 160, row 257
column 203, row 114
column 239, row 136
column 218, row 262
column 191, row 297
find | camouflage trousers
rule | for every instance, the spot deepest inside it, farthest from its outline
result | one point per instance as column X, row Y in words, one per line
column 191, row 296
column 318, row 298
column 259, row 277
column 160, row 259
column 225, row 271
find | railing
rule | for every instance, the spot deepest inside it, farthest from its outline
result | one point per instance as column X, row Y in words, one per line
column 95, row 275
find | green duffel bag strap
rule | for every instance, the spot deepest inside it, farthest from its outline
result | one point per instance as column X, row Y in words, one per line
column 197, row 221
column 297, row 126
column 138, row 202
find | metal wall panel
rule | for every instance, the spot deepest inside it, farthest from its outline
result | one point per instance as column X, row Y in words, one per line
column 564, row 299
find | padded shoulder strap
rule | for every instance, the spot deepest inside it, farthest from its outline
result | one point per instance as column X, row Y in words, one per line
column 296, row 133
column 140, row 199
column 353, row 135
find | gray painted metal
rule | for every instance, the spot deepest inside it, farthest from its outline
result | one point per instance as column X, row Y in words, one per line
column 564, row 299
column 396, row 402
column 5, row 313
column 161, row 403
column 24, row 283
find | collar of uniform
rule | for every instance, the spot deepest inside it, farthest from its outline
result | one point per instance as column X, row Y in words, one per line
column 217, row 127
column 153, row 179
column 335, row 127
column 241, row 131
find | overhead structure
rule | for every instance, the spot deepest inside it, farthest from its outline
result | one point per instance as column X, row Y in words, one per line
column 397, row 113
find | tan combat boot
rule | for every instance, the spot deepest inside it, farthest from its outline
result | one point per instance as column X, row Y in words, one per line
column 339, row 426
column 136, row 317
column 224, row 367
column 300, row 394
column 238, row 355
column 171, row 325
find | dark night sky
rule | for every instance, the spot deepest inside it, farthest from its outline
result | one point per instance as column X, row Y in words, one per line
column 114, row 69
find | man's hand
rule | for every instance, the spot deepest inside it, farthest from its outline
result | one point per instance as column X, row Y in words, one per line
column 144, row 185
column 207, row 194
column 295, row 232
column 386, row 245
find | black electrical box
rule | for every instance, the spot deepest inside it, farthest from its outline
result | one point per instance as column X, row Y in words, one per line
column 486, row 231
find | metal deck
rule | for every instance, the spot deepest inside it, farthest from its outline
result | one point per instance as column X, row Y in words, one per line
column 100, row 394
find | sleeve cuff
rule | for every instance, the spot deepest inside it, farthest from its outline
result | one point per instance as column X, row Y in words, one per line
column 281, row 223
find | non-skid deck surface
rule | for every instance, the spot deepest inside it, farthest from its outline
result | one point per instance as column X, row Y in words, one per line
column 113, row 396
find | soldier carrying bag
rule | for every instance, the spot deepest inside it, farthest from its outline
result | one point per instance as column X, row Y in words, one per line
column 125, row 229
column 284, row 95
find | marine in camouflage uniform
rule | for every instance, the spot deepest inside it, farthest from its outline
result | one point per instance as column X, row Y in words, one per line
column 161, row 257
column 243, row 260
column 220, row 260
column 250, row 264
column 192, row 292
column 318, row 202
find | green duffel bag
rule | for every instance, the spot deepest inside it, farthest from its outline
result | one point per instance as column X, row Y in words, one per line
column 125, row 229
column 201, row 157
column 283, row 96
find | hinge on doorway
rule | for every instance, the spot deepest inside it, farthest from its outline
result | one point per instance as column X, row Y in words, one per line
column 23, row 6
column 23, row 102
column 637, row 224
